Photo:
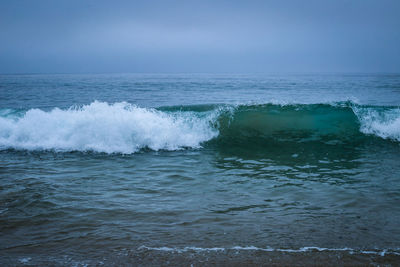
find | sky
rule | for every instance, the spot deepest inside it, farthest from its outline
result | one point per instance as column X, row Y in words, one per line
column 98, row 36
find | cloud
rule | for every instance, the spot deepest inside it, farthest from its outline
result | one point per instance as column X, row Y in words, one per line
column 231, row 36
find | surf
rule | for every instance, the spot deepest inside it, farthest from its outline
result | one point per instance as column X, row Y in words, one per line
column 127, row 128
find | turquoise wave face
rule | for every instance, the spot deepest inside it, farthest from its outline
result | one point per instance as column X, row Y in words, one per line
column 126, row 128
column 294, row 123
column 327, row 123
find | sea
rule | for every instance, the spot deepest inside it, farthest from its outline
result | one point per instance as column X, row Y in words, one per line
column 200, row 169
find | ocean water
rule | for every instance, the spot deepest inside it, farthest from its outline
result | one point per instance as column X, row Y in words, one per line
column 181, row 169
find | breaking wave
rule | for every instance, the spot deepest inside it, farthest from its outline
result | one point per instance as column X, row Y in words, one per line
column 126, row 128
column 101, row 127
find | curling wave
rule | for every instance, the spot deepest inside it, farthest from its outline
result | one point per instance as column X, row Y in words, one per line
column 101, row 127
column 126, row 128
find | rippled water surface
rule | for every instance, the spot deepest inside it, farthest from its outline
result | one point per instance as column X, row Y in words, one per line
column 182, row 169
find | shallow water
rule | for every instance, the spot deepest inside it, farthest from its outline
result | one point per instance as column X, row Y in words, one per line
column 151, row 169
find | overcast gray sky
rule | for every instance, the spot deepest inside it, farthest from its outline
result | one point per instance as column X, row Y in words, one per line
column 78, row 36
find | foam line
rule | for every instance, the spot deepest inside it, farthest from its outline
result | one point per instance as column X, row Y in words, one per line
column 269, row 249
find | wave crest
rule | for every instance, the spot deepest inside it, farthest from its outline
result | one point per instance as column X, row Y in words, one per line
column 101, row 127
column 126, row 128
column 382, row 123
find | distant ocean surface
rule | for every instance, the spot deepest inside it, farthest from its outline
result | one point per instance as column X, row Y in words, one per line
column 181, row 169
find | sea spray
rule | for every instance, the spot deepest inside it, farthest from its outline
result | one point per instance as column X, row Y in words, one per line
column 101, row 127
column 126, row 128
column 382, row 122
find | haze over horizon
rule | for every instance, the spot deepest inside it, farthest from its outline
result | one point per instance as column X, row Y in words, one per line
column 209, row 36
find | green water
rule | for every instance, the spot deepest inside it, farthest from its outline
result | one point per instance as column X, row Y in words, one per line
column 202, row 179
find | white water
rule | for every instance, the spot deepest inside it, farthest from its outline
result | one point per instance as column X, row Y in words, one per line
column 116, row 128
column 383, row 124
column 382, row 252
column 125, row 128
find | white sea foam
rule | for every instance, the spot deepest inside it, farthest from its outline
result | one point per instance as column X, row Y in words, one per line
column 101, row 127
column 385, row 124
column 24, row 260
column 125, row 128
column 269, row 249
